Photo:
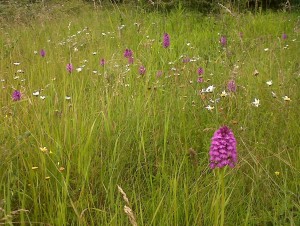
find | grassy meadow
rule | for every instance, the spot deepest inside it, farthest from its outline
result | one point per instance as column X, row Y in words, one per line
column 78, row 145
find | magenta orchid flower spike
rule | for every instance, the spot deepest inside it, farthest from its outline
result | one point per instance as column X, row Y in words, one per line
column 43, row 53
column 166, row 40
column 16, row 96
column 231, row 86
column 142, row 70
column 102, row 62
column 223, row 149
column 69, row 67
column 223, row 40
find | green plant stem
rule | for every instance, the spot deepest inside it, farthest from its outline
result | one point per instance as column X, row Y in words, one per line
column 222, row 184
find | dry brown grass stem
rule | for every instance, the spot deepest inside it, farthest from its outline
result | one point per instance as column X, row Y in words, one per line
column 130, row 215
column 128, row 211
column 124, row 195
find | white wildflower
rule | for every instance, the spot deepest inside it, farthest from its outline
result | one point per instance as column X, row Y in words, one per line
column 256, row 102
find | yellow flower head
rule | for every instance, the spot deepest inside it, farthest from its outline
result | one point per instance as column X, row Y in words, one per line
column 43, row 149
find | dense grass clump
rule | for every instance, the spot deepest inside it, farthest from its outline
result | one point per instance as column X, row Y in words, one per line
column 97, row 112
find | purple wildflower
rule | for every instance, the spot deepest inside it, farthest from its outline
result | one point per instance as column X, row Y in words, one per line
column 16, row 96
column 223, row 149
column 166, row 40
column 223, row 40
column 200, row 80
column 128, row 53
column 43, row 53
column 130, row 60
column 200, row 71
column 231, row 86
column 142, row 70
column 284, row 36
column 69, row 67
column 159, row 73
column 102, row 62
column 186, row 60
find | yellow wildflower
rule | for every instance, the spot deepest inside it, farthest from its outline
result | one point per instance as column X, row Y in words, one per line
column 43, row 149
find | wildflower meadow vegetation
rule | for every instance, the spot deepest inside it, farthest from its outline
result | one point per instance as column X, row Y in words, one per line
column 118, row 115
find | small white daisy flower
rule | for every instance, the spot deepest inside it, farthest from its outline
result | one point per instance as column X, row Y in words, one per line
column 37, row 93
column 256, row 102
column 79, row 69
column 224, row 94
column 210, row 108
column 286, row 98
column 269, row 83
column 210, row 89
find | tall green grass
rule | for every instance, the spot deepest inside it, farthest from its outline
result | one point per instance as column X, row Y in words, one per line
column 150, row 135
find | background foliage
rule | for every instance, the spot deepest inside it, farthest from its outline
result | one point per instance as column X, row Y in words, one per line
column 23, row 11
column 201, row 5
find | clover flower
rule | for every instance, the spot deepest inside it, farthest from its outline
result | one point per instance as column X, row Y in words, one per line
column 200, row 71
column 223, row 149
column 200, row 80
